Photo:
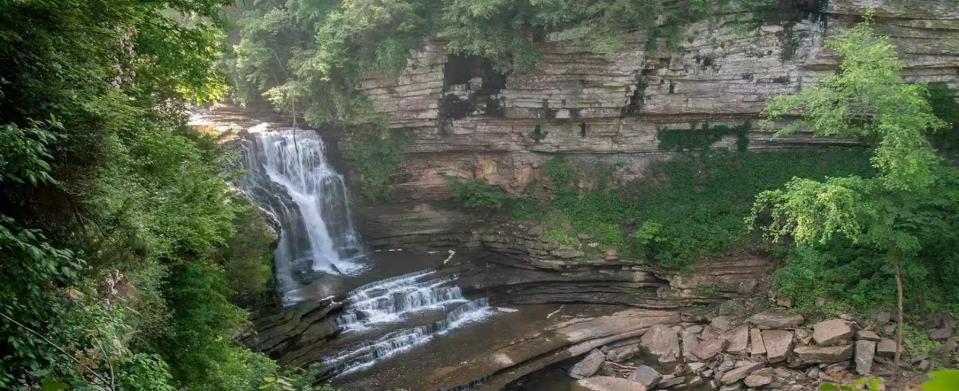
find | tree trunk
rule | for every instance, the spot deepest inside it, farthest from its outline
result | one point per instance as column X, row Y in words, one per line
column 895, row 265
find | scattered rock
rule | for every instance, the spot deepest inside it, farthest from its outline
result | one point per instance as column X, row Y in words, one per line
column 756, row 381
column 831, row 332
column 731, row 387
column 662, row 342
column 738, row 340
column 778, row 343
column 924, row 365
column 739, row 373
column 609, row 383
column 941, row 333
column 804, row 336
column 889, row 329
column 868, row 335
column 588, row 366
column 775, row 319
column 695, row 329
column 722, row 323
column 690, row 342
column 646, row 376
column 865, row 352
column 886, row 348
column 883, row 317
column 823, row 354
column 622, row 353
column 696, row 367
column 756, row 347
column 946, row 347
column 709, row 348
column 671, row 382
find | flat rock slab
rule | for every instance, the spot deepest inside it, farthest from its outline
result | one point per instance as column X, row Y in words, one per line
column 740, row 372
column 775, row 319
column 778, row 343
column 738, row 338
column 756, row 381
column 831, row 332
column 608, row 383
column 756, row 345
column 662, row 342
column 588, row 366
column 823, row 354
column 709, row 348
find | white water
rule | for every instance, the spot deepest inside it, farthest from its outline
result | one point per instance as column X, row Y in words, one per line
column 290, row 179
column 365, row 354
column 392, row 299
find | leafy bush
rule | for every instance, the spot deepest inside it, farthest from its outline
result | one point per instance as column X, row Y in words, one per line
column 375, row 153
column 479, row 195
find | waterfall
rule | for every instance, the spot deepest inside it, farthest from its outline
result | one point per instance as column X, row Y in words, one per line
column 289, row 178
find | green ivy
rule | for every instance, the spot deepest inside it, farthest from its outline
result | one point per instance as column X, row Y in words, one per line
column 376, row 153
column 700, row 138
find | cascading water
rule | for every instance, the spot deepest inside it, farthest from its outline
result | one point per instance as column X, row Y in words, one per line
column 390, row 301
column 290, row 179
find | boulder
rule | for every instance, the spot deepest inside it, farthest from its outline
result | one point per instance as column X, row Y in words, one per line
column 865, row 352
column 662, row 342
column 756, row 381
column 941, row 333
column 609, row 383
column 738, row 338
column 740, row 372
column 886, row 348
column 823, row 354
column 646, row 376
column 775, row 319
column 831, row 332
column 778, row 343
column 756, row 346
column 883, row 317
column 588, row 366
column 708, row 348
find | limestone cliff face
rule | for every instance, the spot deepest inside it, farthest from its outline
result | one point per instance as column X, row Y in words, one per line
column 471, row 122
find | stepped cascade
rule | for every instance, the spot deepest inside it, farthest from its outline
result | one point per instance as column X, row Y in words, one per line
column 290, row 179
column 392, row 300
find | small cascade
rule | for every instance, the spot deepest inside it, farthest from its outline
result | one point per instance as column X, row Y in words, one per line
column 365, row 354
column 290, row 179
column 392, row 299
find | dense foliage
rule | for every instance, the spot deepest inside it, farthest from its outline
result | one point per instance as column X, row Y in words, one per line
column 117, row 227
column 682, row 209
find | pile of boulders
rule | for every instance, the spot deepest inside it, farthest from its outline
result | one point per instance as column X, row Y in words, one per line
column 770, row 350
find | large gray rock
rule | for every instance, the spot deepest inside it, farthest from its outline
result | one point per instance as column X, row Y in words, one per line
column 778, row 343
column 823, row 354
column 740, row 372
column 775, row 319
column 646, row 376
column 831, row 332
column 662, row 342
column 588, row 366
column 756, row 345
column 609, row 383
column 886, row 348
column 865, row 352
column 738, row 338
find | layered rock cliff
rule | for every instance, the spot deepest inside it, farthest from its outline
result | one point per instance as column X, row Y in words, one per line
column 469, row 121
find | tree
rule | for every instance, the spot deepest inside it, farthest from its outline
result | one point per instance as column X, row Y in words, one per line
column 866, row 99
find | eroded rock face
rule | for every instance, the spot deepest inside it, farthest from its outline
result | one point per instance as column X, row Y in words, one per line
column 468, row 121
